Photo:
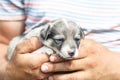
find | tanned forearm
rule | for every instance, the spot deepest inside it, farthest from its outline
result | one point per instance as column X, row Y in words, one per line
column 8, row 30
column 3, row 60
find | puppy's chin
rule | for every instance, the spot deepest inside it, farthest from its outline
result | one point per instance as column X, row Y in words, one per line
column 65, row 55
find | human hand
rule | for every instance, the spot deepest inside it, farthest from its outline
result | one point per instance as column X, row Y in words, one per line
column 95, row 62
column 25, row 64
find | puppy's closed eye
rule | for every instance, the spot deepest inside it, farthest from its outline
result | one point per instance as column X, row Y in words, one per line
column 77, row 39
column 59, row 41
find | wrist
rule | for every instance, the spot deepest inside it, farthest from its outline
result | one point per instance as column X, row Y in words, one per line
column 3, row 69
column 14, row 72
column 11, row 72
column 8, row 71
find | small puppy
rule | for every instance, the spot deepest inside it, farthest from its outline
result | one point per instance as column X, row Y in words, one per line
column 60, row 36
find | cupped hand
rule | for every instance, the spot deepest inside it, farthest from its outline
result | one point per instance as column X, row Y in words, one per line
column 95, row 62
column 25, row 63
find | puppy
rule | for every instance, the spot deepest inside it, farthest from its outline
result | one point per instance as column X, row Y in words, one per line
column 60, row 36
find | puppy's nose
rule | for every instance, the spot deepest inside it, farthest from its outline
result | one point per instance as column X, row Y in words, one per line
column 71, row 54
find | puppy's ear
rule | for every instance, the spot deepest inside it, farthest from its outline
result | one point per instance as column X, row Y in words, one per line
column 82, row 34
column 45, row 32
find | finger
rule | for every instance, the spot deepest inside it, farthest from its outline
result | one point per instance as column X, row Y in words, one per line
column 56, row 58
column 87, row 47
column 42, row 76
column 79, row 64
column 81, row 75
column 38, row 59
column 33, row 61
column 28, row 46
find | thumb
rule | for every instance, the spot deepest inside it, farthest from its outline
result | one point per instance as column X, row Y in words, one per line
column 28, row 46
column 87, row 47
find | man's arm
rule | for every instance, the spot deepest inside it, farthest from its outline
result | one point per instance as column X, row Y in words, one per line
column 8, row 30
column 22, row 66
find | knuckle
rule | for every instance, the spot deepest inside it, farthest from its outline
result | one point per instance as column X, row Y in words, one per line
column 91, row 63
column 33, row 66
column 68, row 65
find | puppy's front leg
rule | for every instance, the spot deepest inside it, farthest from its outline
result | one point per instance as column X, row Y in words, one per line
column 44, row 49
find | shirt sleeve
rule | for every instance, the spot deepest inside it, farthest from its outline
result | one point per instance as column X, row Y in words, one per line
column 12, row 10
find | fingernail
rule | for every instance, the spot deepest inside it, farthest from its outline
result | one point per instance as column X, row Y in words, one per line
column 52, row 58
column 44, row 68
column 50, row 78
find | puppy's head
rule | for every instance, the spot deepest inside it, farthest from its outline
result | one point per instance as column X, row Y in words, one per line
column 63, row 36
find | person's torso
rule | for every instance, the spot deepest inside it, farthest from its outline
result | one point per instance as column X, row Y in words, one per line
column 99, row 19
